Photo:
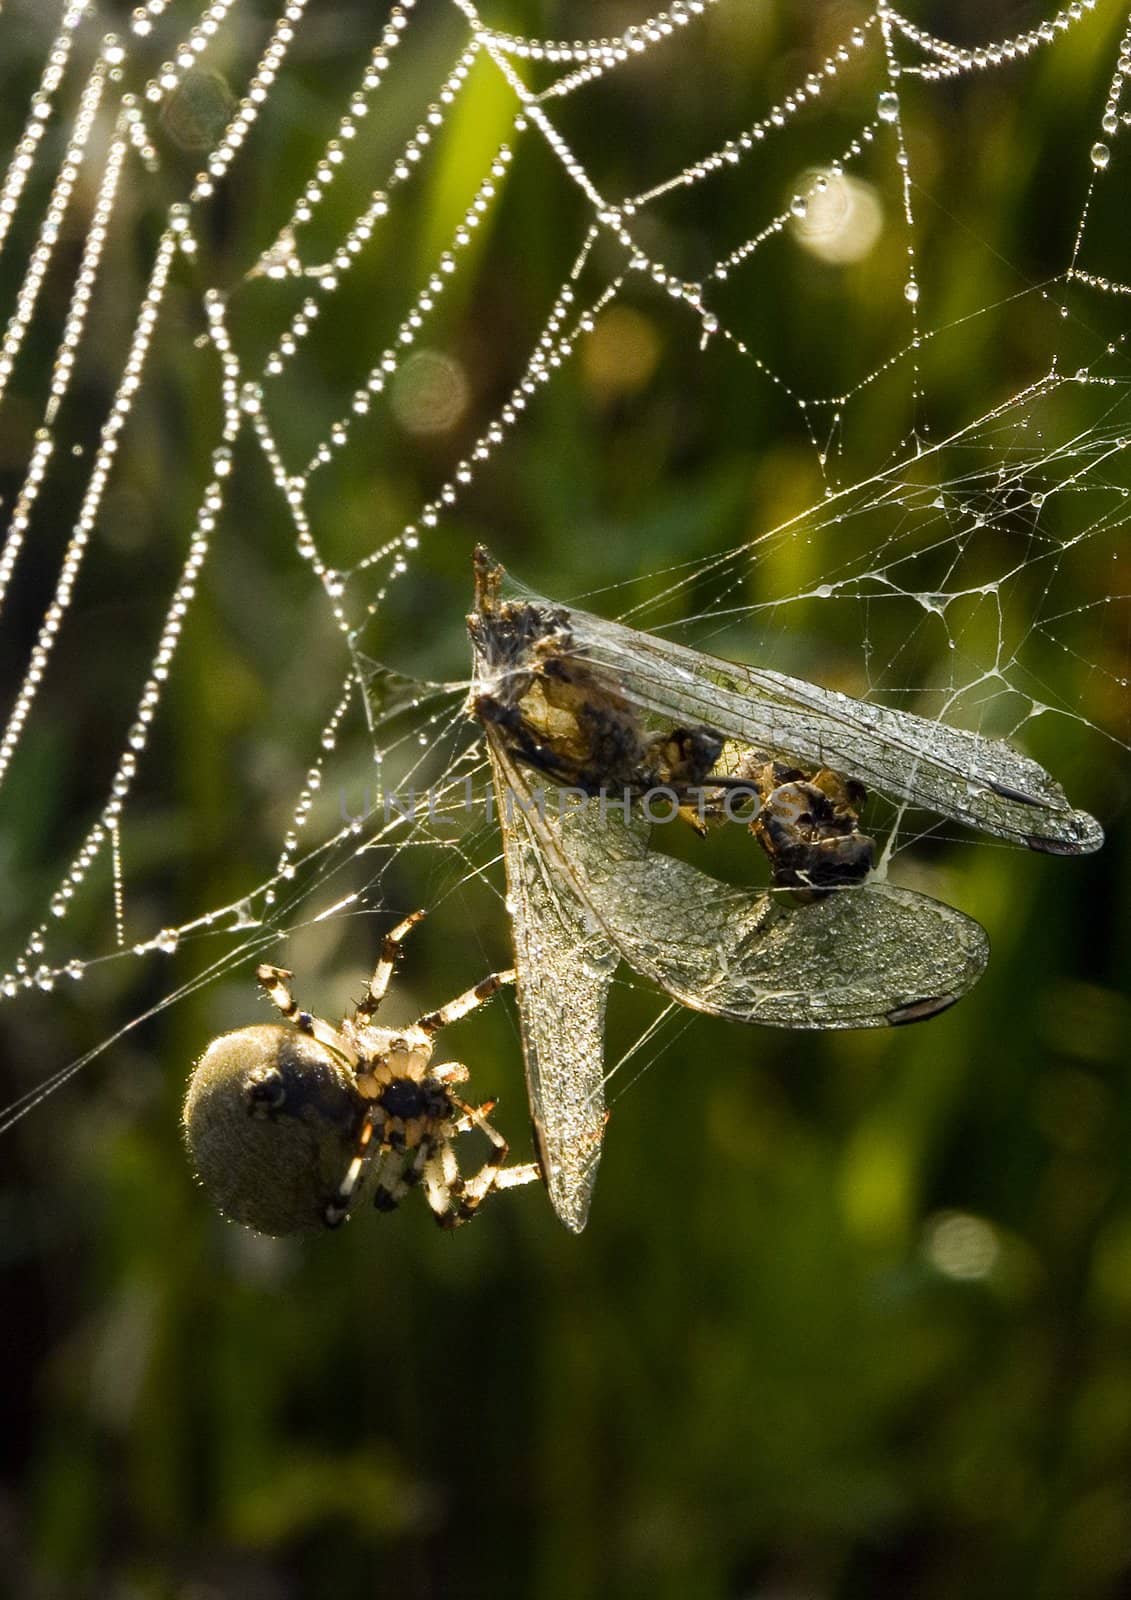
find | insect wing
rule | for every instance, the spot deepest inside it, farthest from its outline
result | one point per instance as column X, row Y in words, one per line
column 863, row 957
column 983, row 783
column 869, row 956
column 564, row 965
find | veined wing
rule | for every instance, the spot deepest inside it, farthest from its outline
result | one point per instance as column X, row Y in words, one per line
column 983, row 783
column 864, row 957
column 564, row 965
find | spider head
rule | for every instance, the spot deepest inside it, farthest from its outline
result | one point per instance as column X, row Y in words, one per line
column 271, row 1118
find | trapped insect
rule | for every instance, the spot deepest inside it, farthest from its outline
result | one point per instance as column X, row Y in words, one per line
column 290, row 1125
column 808, row 823
column 608, row 713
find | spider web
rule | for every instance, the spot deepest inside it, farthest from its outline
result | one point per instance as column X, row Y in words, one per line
column 249, row 421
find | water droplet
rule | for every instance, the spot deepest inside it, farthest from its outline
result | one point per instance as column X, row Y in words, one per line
column 887, row 106
column 198, row 109
column 1101, row 155
column 799, row 206
column 243, row 916
column 911, row 292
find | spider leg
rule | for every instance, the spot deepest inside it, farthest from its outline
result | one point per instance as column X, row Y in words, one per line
column 455, row 1200
column 511, row 1177
column 450, row 1072
column 494, row 1173
column 275, row 983
column 433, row 1021
column 415, row 1171
column 336, row 1210
column 437, row 1173
column 396, row 1177
column 471, row 1116
column 383, row 971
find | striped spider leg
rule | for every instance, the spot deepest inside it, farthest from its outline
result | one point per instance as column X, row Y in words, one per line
column 291, row 1124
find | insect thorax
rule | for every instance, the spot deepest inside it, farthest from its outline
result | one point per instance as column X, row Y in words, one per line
column 568, row 719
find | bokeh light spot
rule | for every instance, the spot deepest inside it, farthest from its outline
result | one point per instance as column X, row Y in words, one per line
column 198, row 110
column 959, row 1245
column 430, row 392
column 621, row 354
column 843, row 218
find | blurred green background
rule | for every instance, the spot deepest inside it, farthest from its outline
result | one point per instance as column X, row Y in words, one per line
column 852, row 1316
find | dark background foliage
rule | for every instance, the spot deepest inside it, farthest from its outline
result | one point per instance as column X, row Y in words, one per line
column 852, row 1316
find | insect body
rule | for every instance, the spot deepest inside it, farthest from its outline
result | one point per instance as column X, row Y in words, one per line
column 829, row 945
column 565, row 721
column 808, row 824
column 291, row 1124
column 984, row 784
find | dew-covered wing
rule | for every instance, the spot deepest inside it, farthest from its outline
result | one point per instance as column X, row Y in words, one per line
column 871, row 956
column 564, row 965
column 864, row 957
column 984, row 783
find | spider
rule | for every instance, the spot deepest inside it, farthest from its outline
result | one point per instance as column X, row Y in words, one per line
column 289, row 1124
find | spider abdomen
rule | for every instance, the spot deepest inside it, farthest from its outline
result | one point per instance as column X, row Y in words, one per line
column 272, row 1118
